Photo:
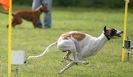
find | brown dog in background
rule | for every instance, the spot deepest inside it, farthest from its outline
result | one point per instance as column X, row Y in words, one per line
column 32, row 16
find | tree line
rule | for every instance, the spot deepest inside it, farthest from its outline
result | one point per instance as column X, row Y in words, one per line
column 81, row 3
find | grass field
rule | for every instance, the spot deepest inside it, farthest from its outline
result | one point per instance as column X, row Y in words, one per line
column 105, row 64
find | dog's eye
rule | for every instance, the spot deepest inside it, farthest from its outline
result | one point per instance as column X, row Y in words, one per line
column 113, row 32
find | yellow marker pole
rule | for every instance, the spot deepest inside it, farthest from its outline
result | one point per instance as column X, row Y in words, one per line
column 125, row 30
column 9, row 37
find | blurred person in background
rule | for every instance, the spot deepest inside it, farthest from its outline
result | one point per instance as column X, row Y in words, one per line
column 47, row 18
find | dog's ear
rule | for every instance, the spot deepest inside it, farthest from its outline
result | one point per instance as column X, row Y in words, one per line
column 105, row 29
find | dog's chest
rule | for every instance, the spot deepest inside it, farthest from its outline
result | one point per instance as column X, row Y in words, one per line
column 88, row 41
column 91, row 45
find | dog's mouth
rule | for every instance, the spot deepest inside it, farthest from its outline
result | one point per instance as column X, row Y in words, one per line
column 118, row 33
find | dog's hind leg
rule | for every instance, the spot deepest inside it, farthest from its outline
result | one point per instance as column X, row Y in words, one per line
column 67, row 67
column 70, row 65
column 66, row 57
column 16, row 21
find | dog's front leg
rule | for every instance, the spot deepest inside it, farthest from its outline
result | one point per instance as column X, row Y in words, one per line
column 67, row 67
column 36, row 24
column 76, row 56
column 78, row 59
column 76, row 53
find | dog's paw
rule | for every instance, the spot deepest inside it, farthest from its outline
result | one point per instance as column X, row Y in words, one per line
column 86, row 63
column 7, row 26
column 61, row 72
column 67, row 58
column 66, row 61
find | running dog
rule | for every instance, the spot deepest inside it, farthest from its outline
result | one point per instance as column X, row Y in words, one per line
column 81, row 45
column 32, row 16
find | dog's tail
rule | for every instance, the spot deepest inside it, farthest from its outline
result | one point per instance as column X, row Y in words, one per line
column 44, row 52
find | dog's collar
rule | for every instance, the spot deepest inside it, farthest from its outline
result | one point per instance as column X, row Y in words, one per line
column 107, row 36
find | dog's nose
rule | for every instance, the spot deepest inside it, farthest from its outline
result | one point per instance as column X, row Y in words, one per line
column 118, row 33
column 121, row 31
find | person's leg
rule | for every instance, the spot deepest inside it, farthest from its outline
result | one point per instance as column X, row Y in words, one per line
column 47, row 18
column 36, row 4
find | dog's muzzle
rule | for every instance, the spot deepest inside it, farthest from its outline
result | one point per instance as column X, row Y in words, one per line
column 118, row 33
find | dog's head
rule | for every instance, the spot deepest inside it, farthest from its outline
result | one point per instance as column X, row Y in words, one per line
column 111, row 32
column 44, row 8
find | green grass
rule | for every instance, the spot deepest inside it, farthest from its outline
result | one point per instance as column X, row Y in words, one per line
column 105, row 64
column 3, row 45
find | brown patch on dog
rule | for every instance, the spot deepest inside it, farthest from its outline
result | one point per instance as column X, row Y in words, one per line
column 76, row 35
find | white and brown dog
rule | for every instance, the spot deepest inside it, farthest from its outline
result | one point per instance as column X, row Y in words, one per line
column 81, row 45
